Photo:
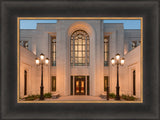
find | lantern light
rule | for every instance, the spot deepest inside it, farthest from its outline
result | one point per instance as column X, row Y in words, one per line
column 113, row 61
column 117, row 56
column 42, row 56
column 37, row 61
column 47, row 61
column 122, row 61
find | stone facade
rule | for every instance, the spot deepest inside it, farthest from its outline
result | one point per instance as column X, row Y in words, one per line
column 120, row 41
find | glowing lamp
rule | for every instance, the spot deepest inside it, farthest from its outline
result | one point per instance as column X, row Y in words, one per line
column 47, row 61
column 42, row 56
column 37, row 61
column 117, row 56
column 113, row 61
column 122, row 61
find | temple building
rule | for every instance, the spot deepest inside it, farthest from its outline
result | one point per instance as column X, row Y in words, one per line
column 80, row 53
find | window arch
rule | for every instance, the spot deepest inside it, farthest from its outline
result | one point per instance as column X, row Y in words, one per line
column 79, row 48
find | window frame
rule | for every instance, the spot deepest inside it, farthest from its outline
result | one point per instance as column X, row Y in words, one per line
column 53, row 53
column 106, row 78
column 53, row 78
column 106, row 52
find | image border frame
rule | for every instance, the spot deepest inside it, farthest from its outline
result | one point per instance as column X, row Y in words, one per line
column 148, row 9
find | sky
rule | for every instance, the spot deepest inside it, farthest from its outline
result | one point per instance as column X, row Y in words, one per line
column 32, row 24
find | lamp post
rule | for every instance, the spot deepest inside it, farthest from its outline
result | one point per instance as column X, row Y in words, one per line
column 41, row 61
column 117, row 61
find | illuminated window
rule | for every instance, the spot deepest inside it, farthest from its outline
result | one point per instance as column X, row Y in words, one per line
column 53, row 51
column 79, row 48
column 106, row 50
column 105, row 83
column 53, row 83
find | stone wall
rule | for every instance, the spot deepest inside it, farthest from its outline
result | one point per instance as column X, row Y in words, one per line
column 27, row 62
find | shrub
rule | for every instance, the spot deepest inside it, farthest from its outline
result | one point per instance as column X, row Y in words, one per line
column 112, row 95
column 129, row 98
column 32, row 97
column 37, row 96
column 47, row 95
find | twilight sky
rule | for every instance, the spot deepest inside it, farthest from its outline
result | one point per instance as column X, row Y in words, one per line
column 128, row 24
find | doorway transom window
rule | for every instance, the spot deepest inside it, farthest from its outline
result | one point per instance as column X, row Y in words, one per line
column 79, row 48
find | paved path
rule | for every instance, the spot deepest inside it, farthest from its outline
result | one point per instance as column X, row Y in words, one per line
column 77, row 98
column 80, row 98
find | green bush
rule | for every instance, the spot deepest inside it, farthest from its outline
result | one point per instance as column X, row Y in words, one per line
column 127, row 97
column 47, row 95
column 37, row 96
column 112, row 95
column 32, row 97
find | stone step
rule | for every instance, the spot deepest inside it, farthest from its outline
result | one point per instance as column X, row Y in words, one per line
column 55, row 95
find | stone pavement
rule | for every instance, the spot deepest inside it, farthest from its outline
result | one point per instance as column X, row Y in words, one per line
column 83, row 98
column 78, row 98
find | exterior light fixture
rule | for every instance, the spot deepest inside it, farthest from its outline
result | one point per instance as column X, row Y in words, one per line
column 41, row 62
column 113, row 61
column 46, row 61
column 118, row 61
column 122, row 61
column 37, row 61
column 42, row 56
column 117, row 56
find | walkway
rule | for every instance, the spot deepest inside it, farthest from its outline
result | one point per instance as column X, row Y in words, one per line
column 88, row 99
column 77, row 98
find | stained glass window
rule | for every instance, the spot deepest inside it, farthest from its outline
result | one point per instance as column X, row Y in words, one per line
column 79, row 48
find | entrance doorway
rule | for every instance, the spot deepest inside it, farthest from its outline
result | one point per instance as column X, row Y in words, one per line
column 79, row 85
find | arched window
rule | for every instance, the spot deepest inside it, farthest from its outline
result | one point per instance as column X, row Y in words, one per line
column 79, row 49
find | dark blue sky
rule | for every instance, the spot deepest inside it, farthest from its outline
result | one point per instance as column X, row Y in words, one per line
column 128, row 24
